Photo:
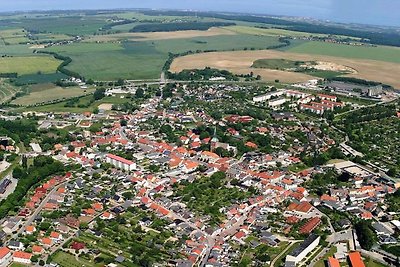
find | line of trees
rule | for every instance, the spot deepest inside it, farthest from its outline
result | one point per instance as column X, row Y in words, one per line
column 374, row 37
column 42, row 168
column 62, row 68
column 178, row 26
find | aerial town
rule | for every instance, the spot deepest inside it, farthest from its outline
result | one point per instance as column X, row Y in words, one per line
column 178, row 134
column 189, row 187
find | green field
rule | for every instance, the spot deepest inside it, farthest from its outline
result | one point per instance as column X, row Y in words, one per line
column 13, row 36
column 60, row 106
column 43, row 93
column 67, row 260
column 220, row 43
column 28, row 64
column 15, row 50
column 144, row 60
column 382, row 53
column 39, row 78
column 6, row 90
column 70, row 25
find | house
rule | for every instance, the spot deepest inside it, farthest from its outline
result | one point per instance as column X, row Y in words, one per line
column 47, row 241
column 22, row 257
column 332, row 262
column 15, row 245
column 77, row 245
column 106, row 216
column 55, row 236
column 306, row 247
column 37, row 249
column 5, row 256
column 310, row 225
column 30, row 229
column 355, row 259
column 301, row 210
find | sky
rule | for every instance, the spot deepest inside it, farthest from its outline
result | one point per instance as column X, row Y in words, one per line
column 377, row 12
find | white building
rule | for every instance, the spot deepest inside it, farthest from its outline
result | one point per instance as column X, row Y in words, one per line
column 306, row 247
column 268, row 96
column 22, row 257
column 275, row 103
column 120, row 162
column 5, row 256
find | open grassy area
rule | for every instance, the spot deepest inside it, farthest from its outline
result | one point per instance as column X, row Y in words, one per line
column 321, row 262
column 60, row 106
column 372, row 263
column 381, row 53
column 28, row 64
column 67, row 260
column 43, row 93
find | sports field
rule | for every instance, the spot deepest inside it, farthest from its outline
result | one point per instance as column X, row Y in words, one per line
column 44, row 93
column 241, row 61
column 28, row 64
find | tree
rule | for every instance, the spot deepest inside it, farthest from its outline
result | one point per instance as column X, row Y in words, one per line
column 366, row 236
column 120, row 82
column 99, row 93
column 139, row 93
column 90, row 82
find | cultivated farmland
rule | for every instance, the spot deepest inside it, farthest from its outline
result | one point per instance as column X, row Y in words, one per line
column 381, row 53
column 28, row 64
column 241, row 61
column 43, row 93
column 146, row 36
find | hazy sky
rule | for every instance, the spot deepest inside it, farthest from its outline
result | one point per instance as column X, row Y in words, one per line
column 379, row 12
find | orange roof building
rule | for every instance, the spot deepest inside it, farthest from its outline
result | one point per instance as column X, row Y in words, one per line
column 23, row 257
column 355, row 259
column 36, row 249
column 333, row 262
column 47, row 241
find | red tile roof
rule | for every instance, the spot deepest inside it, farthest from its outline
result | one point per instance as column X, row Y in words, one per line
column 120, row 159
column 355, row 259
column 3, row 252
column 309, row 226
column 332, row 262
column 22, row 255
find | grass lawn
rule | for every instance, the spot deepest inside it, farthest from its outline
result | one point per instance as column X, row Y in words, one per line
column 297, row 167
column 67, row 260
column 331, row 252
column 43, row 93
column 372, row 263
column 382, row 53
column 281, row 259
column 29, row 64
column 14, row 264
column 60, row 106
